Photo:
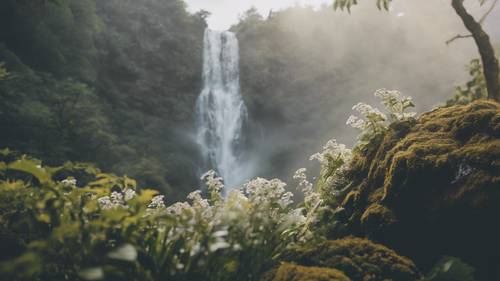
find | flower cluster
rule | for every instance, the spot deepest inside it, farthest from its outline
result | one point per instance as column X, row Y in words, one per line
column 373, row 122
column 257, row 218
column 158, row 202
column 116, row 199
column 311, row 197
column 334, row 161
column 396, row 104
column 332, row 151
column 69, row 182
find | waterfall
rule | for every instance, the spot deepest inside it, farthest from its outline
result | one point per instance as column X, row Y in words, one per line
column 220, row 109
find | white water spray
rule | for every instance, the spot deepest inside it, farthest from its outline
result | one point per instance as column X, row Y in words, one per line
column 220, row 109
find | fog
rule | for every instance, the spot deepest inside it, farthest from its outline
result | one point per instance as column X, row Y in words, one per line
column 302, row 71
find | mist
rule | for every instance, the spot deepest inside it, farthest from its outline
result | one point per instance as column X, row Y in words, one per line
column 303, row 69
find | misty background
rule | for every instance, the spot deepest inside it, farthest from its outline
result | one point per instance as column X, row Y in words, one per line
column 115, row 82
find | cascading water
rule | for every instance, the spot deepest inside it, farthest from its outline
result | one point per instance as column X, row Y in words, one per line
column 220, row 109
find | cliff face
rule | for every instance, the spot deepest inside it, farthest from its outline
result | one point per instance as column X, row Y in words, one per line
column 431, row 187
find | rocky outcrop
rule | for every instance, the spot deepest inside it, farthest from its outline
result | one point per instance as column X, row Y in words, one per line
column 431, row 187
column 345, row 259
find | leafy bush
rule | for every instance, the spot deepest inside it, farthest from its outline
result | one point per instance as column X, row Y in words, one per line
column 373, row 122
column 474, row 89
column 75, row 222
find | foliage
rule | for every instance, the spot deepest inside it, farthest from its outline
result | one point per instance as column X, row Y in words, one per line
column 381, row 4
column 450, row 269
column 374, row 123
column 347, row 4
column 81, row 89
column 74, row 222
column 433, row 179
column 474, row 89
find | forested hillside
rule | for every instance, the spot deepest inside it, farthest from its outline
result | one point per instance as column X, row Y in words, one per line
column 303, row 69
column 115, row 82
column 107, row 82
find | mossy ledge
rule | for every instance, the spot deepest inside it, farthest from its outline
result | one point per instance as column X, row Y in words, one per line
column 350, row 258
column 431, row 187
column 293, row 272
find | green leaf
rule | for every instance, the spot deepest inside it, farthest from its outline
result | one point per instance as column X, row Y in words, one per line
column 94, row 273
column 31, row 167
column 126, row 252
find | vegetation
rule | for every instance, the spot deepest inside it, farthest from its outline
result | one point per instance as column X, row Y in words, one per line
column 299, row 64
column 357, row 258
column 98, row 84
column 75, row 222
column 491, row 69
column 113, row 82
column 433, row 179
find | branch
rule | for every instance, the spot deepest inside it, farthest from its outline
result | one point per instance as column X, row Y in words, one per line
column 481, row 21
column 491, row 68
column 458, row 36
column 483, row 18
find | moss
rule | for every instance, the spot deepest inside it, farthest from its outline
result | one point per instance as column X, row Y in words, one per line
column 440, row 177
column 359, row 259
column 293, row 272
column 377, row 217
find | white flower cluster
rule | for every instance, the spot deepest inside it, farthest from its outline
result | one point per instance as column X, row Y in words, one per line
column 245, row 219
column 116, row 199
column 396, row 104
column 373, row 121
column 311, row 198
column 332, row 151
column 158, row 202
column 214, row 183
column 262, row 191
column 258, row 217
column 69, row 182
column 373, row 118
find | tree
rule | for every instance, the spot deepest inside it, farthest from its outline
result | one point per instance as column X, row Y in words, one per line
column 491, row 68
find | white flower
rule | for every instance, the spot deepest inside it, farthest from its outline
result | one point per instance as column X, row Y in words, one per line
column 129, row 194
column 214, row 183
column 332, row 150
column 105, row 203
column 115, row 200
column 396, row 104
column 218, row 245
column 368, row 111
column 356, row 122
column 157, row 202
column 69, row 182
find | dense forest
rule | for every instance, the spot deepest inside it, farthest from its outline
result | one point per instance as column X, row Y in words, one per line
column 107, row 82
column 101, row 166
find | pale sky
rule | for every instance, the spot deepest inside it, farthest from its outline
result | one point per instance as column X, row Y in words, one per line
column 226, row 12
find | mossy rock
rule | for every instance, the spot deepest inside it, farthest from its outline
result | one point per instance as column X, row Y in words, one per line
column 432, row 187
column 293, row 272
column 359, row 259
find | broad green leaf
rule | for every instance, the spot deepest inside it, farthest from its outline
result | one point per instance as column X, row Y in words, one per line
column 31, row 167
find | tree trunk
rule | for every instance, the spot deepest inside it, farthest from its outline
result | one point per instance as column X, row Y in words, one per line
column 488, row 58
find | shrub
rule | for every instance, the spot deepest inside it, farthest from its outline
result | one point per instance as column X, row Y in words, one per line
column 75, row 222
